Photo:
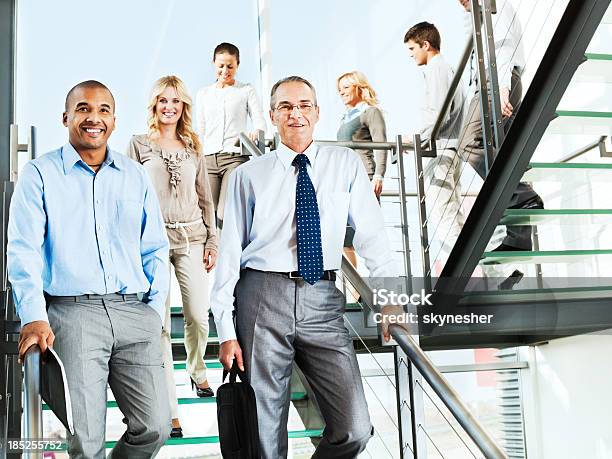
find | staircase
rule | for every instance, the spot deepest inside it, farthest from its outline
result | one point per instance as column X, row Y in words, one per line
column 564, row 291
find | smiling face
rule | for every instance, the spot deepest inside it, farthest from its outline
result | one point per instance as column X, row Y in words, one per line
column 226, row 66
column 90, row 118
column 169, row 107
column 418, row 52
column 349, row 92
column 295, row 126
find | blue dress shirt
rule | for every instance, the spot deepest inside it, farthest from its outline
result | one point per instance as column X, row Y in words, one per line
column 73, row 231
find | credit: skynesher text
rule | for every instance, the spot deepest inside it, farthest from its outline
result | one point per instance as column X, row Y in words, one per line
column 431, row 318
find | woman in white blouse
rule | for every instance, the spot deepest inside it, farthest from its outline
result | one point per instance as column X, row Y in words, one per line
column 221, row 115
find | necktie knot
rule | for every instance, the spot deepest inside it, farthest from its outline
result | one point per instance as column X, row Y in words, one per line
column 300, row 160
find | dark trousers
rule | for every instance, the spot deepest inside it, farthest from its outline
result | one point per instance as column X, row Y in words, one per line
column 471, row 148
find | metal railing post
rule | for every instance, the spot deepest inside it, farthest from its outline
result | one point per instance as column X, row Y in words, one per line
column 32, row 408
column 485, row 114
column 422, row 210
column 399, row 150
column 493, row 80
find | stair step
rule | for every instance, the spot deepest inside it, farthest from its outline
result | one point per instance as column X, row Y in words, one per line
column 311, row 433
column 569, row 173
column 295, row 396
column 596, row 69
column 542, row 256
column 557, row 217
column 581, row 122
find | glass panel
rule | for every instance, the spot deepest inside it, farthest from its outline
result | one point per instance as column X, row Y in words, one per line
column 557, row 217
column 581, row 122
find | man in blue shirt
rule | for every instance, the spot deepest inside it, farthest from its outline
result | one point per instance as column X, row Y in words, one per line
column 85, row 236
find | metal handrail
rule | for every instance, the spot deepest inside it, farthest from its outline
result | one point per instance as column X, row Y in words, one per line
column 581, row 151
column 32, row 403
column 248, row 145
column 427, row 369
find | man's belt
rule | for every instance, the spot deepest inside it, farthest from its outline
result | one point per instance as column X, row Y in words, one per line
column 329, row 275
column 94, row 297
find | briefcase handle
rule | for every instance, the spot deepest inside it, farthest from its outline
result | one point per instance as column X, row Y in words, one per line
column 233, row 372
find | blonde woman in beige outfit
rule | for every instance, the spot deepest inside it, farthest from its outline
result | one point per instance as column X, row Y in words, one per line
column 171, row 154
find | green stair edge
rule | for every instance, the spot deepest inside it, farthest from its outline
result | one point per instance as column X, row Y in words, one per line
column 537, row 165
column 598, row 57
column 545, row 253
column 295, row 397
column 584, row 114
column 527, row 212
column 309, row 433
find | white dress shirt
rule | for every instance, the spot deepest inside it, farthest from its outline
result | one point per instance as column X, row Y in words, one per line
column 508, row 37
column 259, row 229
column 221, row 115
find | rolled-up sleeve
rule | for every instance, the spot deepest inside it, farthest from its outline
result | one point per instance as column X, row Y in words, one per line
column 234, row 238
column 26, row 236
column 255, row 110
column 154, row 250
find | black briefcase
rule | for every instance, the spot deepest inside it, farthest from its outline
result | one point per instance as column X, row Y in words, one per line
column 237, row 417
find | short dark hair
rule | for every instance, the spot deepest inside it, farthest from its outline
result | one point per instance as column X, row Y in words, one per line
column 422, row 32
column 290, row 79
column 228, row 48
column 89, row 84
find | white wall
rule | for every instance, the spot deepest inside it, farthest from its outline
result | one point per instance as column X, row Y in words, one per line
column 567, row 398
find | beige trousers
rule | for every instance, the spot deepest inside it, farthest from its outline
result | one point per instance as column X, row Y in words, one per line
column 219, row 167
column 193, row 282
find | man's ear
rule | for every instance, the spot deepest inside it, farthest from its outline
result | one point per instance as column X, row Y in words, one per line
column 65, row 119
column 426, row 45
column 272, row 117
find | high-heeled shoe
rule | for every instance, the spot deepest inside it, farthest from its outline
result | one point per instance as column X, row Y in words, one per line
column 202, row 392
column 176, row 432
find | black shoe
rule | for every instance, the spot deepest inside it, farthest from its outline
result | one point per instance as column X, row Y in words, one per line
column 532, row 203
column 176, row 432
column 509, row 248
column 208, row 392
column 511, row 280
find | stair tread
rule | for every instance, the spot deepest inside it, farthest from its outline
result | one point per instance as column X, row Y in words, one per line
column 295, row 396
column 556, row 216
column 581, row 122
column 309, row 433
column 541, row 256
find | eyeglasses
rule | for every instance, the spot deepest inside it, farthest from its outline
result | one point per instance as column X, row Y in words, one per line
column 303, row 107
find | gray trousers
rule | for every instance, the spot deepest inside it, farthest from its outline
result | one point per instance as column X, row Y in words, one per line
column 112, row 339
column 280, row 320
column 219, row 167
column 471, row 147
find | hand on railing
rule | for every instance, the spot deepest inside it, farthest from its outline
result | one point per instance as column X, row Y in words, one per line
column 394, row 315
column 35, row 333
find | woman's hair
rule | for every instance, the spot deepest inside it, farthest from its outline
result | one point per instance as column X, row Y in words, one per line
column 183, row 129
column 228, row 48
column 366, row 92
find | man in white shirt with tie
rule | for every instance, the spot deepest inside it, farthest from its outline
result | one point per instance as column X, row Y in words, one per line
column 285, row 216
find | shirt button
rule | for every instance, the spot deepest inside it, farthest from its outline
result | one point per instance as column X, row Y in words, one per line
column 97, row 201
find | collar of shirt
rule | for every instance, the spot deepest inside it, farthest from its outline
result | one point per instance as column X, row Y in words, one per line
column 354, row 112
column 286, row 155
column 70, row 157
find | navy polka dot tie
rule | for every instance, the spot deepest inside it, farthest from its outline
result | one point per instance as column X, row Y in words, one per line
column 310, row 253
